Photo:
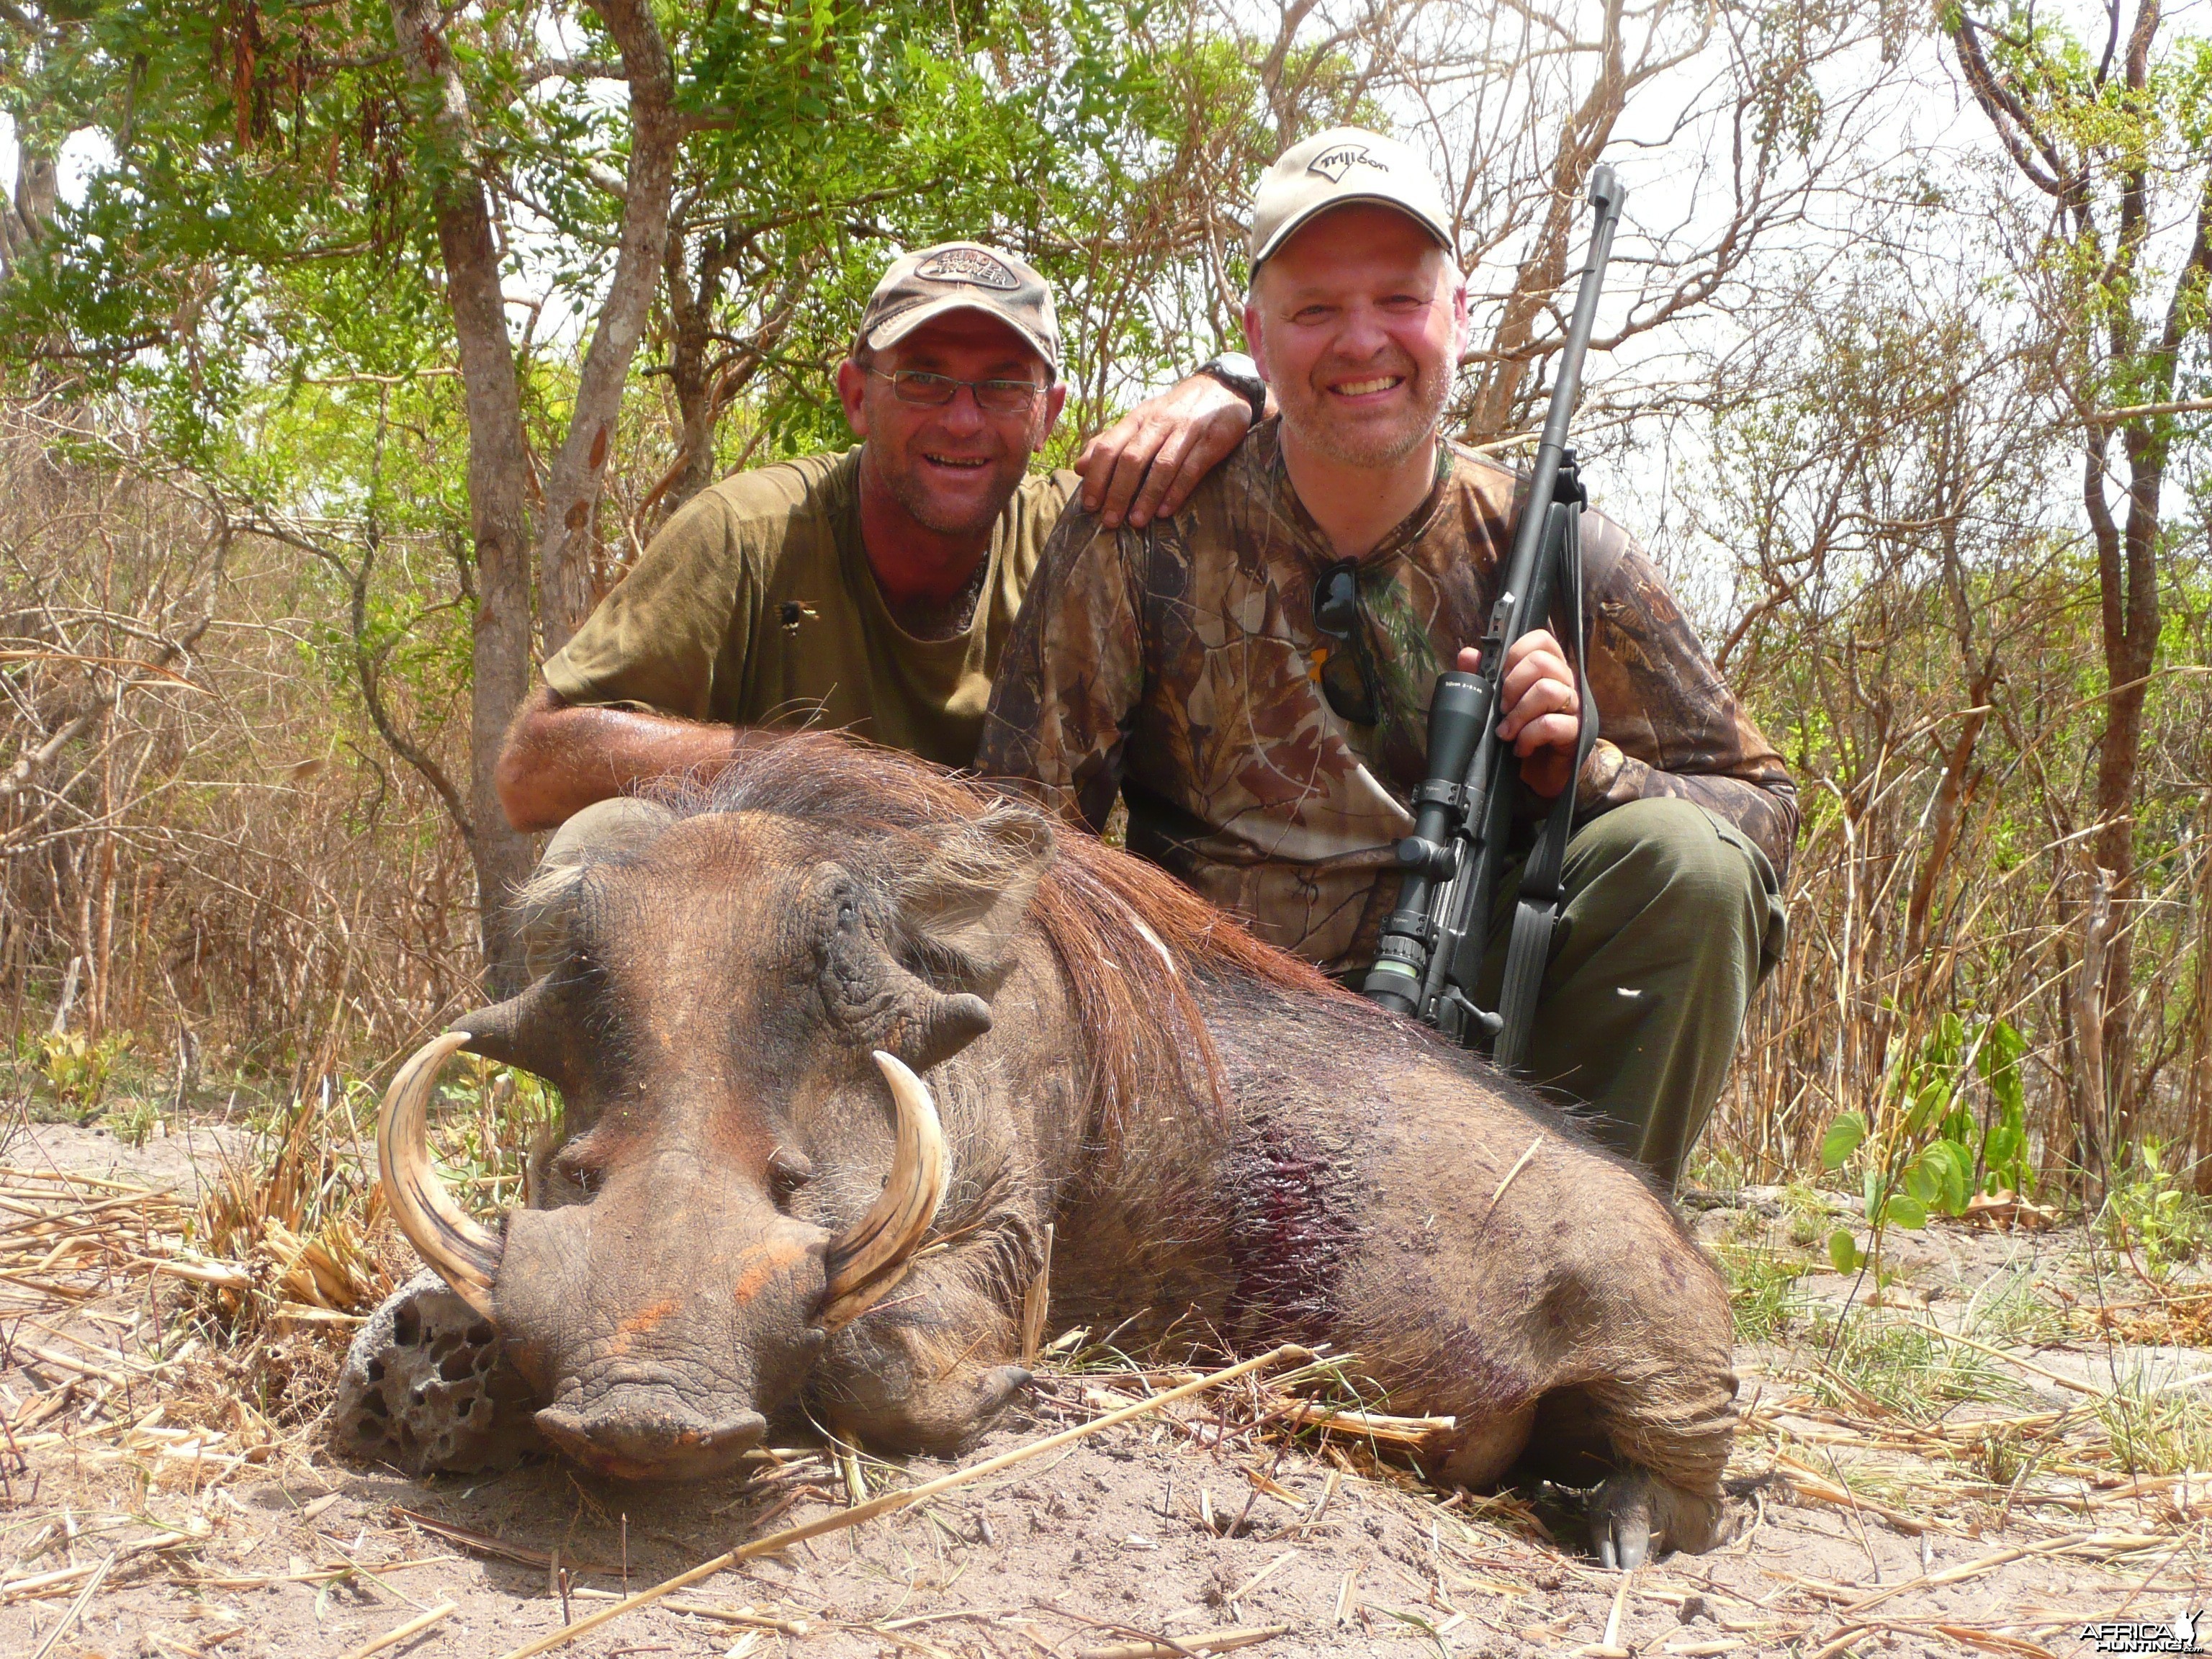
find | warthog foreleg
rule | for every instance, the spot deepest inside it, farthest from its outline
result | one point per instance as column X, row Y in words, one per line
column 933, row 1365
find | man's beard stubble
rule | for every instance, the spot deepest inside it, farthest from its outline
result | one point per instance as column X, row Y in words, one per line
column 913, row 496
column 1307, row 415
column 903, row 482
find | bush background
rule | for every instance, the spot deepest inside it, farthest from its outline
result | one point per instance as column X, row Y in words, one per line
column 1905, row 383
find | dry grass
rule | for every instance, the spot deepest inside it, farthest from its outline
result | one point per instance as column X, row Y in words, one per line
column 238, row 1304
column 2059, row 1382
column 181, row 1348
column 196, row 811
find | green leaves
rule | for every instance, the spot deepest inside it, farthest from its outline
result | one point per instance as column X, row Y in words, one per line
column 1843, row 1252
column 2154, row 1211
column 1942, row 1175
column 2004, row 1145
column 1928, row 1103
column 1926, row 1152
column 1905, row 1211
column 1844, row 1138
column 193, row 270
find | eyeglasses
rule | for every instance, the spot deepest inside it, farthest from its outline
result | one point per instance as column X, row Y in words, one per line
column 928, row 390
column 1345, row 672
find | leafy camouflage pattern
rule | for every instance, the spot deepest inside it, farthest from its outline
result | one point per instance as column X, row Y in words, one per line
column 1179, row 666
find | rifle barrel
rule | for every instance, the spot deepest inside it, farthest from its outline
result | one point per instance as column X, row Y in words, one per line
column 1606, row 196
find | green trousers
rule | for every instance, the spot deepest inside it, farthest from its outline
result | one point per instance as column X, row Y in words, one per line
column 1672, row 919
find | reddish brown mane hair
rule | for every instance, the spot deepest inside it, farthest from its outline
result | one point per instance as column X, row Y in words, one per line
column 1094, row 905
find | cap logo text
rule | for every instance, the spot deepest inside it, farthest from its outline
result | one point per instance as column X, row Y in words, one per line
column 1334, row 164
column 968, row 264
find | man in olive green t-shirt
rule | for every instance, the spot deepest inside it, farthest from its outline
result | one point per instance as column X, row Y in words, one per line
column 872, row 591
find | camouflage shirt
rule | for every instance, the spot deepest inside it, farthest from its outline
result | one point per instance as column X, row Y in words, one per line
column 1179, row 666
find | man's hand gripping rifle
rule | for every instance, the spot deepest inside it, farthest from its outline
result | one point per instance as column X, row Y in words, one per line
column 1432, row 947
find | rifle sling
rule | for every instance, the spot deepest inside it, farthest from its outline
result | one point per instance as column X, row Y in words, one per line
column 1541, row 898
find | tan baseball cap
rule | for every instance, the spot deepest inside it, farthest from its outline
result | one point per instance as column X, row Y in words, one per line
column 962, row 277
column 1344, row 165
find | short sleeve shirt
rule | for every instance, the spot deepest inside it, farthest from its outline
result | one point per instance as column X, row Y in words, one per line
column 754, row 606
column 1180, row 667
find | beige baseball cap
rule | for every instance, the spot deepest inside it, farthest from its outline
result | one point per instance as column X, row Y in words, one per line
column 962, row 277
column 1344, row 165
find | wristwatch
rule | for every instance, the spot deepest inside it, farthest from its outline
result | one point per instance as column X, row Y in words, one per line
column 1241, row 376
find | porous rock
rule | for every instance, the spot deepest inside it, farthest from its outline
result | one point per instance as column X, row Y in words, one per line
column 426, row 1387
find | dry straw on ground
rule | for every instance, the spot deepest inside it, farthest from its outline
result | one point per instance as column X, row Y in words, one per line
column 129, row 1369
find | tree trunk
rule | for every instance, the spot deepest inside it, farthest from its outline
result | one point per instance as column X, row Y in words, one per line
column 1952, row 796
column 24, row 221
column 1581, row 141
column 2127, row 583
column 2032, row 115
column 692, row 322
column 2197, row 1087
column 498, row 480
column 2092, row 1126
column 703, row 386
column 565, row 586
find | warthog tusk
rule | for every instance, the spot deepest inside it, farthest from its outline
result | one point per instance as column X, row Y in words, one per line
column 872, row 1255
column 462, row 1252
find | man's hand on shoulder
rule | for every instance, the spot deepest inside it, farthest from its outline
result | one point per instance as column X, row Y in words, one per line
column 1145, row 464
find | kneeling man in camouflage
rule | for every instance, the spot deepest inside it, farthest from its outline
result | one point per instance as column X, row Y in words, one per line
column 1252, row 674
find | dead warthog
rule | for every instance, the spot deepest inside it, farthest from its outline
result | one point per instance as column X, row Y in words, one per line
column 839, row 1036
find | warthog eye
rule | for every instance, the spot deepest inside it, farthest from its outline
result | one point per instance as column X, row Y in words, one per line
column 579, row 1171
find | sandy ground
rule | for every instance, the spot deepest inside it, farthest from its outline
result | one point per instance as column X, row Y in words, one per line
column 274, row 1549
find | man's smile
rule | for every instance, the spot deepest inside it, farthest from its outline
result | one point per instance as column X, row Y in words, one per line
column 1368, row 388
column 961, row 463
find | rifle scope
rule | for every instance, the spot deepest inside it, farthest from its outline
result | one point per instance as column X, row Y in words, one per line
column 1431, row 855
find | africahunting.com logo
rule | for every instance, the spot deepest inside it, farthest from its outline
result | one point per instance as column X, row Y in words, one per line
column 2184, row 1635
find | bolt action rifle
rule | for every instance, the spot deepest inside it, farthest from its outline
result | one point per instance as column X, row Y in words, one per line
column 1431, row 949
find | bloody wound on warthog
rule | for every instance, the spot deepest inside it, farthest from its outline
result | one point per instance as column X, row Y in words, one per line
column 1295, row 1221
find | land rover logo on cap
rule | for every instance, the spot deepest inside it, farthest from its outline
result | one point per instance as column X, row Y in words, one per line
column 1334, row 164
column 968, row 264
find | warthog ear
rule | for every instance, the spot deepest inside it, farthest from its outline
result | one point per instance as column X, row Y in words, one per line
column 966, row 902
column 623, row 826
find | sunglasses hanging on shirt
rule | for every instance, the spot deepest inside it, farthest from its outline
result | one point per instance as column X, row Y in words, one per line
column 1346, row 667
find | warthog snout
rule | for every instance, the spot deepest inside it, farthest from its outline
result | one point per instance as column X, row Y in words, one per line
column 641, row 1421
column 750, row 1159
column 659, row 1317
column 658, row 1322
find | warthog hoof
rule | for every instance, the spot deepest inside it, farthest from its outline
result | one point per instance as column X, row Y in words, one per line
column 998, row 1387
column 1635, row 1513
column 427, row 1387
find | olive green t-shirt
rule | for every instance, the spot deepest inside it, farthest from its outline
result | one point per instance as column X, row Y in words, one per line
column 755, row 606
